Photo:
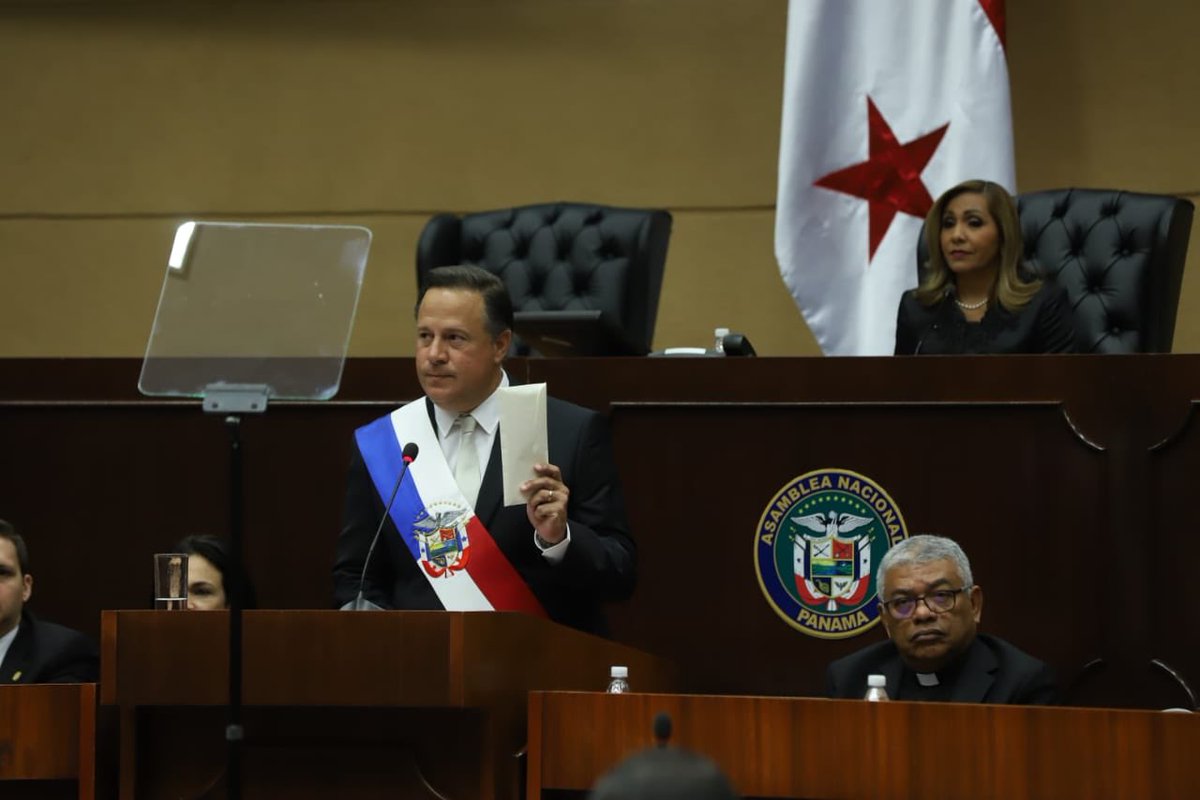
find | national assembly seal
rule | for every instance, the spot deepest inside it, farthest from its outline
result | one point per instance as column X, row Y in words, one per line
column 817, row 549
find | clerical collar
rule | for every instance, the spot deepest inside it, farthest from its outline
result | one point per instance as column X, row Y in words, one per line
column 947, row 675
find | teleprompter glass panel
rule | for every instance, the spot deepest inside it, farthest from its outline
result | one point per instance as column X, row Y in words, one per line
column 256, row 304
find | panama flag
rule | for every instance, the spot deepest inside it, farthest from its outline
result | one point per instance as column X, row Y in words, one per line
column 887, row 103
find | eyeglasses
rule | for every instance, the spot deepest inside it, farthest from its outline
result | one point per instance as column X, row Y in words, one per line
column 938, row 602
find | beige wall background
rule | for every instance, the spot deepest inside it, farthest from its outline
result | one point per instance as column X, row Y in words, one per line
column 124, row 118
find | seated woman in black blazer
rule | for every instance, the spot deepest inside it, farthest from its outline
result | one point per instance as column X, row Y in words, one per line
column 975, row 294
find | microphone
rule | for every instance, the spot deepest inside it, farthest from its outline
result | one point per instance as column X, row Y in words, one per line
column 361, row 603
column 662, row 728
column 935, row 325
column 931, row 329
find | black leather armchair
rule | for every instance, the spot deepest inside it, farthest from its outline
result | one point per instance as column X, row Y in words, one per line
column 563, row 257
column 1120, row 256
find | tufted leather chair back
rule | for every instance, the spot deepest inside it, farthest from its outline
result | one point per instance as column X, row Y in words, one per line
column 562, row 257
column 1120, row 256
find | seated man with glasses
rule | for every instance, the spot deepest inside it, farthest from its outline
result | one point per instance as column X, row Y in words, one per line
column 930, row 609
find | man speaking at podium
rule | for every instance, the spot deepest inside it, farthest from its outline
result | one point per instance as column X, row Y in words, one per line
column 447, row 541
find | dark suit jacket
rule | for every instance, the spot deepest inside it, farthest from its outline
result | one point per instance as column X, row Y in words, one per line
column 43, row 652
column 600, row 561
column 1045, row 325
column 993, row 671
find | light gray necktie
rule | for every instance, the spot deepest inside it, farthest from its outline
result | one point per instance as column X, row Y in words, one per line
column 466, row 469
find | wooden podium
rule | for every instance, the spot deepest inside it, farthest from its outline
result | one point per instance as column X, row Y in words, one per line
column 345, row 704
column 808, row 748
column 48, row 741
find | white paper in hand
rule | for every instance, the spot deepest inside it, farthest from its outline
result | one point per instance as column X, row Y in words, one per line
column 523, row 438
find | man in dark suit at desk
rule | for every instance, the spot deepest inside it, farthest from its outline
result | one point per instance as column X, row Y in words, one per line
column 33, row 651
column 931, row 608
column 448, row 541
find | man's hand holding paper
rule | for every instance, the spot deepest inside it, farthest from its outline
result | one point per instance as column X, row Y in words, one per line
column 524, row 452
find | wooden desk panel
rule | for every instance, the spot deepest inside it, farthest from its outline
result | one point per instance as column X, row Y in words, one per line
column 47, row 733
column 339, row 702
column 806, row 748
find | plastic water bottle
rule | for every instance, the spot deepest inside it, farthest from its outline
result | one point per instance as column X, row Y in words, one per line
column 876, row 689
column 719, row 336
column 618, row 680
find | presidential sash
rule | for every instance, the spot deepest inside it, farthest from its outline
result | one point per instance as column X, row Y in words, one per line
column 454, row 552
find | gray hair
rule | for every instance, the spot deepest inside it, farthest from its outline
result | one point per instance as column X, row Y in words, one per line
column 924, row 549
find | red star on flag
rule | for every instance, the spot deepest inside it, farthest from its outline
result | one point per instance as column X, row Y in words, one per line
column 890, row 180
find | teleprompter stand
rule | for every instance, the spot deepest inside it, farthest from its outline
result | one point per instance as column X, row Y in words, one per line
column 250, row 312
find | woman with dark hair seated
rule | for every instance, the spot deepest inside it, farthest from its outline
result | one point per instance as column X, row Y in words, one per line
column 209, row 574
column 976, row 295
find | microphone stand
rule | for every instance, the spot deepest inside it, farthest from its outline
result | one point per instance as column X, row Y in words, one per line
column 360, row 602
column 233, row 728
column 234, row 400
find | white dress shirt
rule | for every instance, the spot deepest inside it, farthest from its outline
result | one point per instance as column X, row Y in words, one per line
column 6, row 641
column 487, row 421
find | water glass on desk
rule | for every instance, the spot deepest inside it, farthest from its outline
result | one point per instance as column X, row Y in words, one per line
column 170, row 581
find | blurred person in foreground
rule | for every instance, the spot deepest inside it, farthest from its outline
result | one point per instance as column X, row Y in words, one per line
column 664, row 773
